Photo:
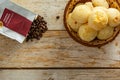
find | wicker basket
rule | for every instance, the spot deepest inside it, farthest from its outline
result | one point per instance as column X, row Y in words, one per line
column 95, row 43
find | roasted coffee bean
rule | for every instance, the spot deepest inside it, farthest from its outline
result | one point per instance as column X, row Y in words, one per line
column 57, row 17
column 38, row 27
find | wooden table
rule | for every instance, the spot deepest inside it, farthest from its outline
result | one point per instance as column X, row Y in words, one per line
column 56, row 53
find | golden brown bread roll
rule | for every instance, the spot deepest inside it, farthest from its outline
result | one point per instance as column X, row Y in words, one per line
column 81, row 13
column 105, row 33
column 98, row 19
column 113, row 17
column 102, row 3
column 86, row 33
column 73, row 23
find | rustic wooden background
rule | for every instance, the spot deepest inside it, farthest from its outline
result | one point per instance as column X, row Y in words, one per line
column 60, row 74
column 56, row 49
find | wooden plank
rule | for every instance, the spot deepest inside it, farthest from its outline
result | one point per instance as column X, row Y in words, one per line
column 57, row 49
column 60, row 74
column 49, row 9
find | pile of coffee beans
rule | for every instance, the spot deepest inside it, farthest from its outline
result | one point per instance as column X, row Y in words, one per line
column 38, row 27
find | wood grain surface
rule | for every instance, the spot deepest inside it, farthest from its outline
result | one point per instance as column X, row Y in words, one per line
column 57, row 49
column 60, row 74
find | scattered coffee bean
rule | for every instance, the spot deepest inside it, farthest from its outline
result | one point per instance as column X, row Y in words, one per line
column 57, row 17
column 38, row 27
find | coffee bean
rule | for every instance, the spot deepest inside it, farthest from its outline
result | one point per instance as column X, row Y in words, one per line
column 38, row 27
column 57, row 17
